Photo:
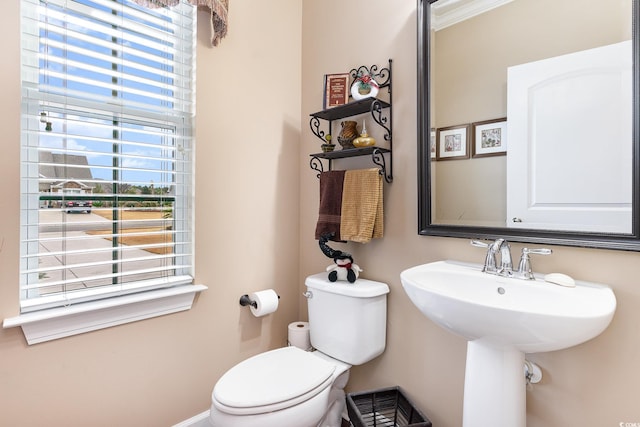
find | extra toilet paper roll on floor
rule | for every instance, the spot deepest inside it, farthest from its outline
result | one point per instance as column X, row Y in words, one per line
column 299, row 335
column 266, row 302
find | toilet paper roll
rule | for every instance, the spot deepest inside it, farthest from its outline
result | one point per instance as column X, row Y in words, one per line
column 299, row 335
column 266, row 302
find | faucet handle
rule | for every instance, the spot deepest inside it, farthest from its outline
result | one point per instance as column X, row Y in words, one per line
column 494, row 245
column 479, row 244
column 490, row 263
column 538, row 251
column 524, row 267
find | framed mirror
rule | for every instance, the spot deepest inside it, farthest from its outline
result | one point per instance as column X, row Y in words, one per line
column 528, row 121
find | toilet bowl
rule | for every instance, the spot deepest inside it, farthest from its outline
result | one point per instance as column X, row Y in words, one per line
column 291, row 387
column 286, row 387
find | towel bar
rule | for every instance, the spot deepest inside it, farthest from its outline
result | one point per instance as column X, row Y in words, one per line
column 376, row 153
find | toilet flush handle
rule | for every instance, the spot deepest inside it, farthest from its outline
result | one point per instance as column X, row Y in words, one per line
column 308, row 294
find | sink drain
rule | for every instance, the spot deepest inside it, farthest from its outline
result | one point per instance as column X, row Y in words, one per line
column 501, row 290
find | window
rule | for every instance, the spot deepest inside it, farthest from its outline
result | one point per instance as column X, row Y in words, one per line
column 107, row 135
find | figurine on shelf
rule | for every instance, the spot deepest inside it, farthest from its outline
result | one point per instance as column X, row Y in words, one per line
column 364, row 140
column 328, row 146
column 364, row 86
column 347, row 134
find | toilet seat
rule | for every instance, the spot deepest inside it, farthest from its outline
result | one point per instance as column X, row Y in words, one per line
column 272, row 381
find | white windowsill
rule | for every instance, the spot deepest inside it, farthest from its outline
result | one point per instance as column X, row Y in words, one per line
column 51, row 324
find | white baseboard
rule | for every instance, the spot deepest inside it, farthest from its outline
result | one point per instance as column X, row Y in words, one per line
column 200, row 420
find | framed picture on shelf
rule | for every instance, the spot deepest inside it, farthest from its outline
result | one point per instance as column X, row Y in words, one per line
column 489, row 138
column 453, row 143
column 336, row 90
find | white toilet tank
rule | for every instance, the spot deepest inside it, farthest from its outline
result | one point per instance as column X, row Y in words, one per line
column 347, row 321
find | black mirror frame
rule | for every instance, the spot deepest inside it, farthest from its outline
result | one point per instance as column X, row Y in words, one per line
column 629, row 242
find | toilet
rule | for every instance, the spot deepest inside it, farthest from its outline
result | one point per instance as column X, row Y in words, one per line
column 290, row 387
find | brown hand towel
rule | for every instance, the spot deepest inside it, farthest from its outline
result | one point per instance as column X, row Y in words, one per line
column 362, row 206
column 331, row 183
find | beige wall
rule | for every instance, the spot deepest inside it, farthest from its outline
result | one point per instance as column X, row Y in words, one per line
column 256, row 212
column 594, row 384
column 161, row 371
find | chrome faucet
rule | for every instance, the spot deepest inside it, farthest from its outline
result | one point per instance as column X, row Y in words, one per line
column 490, row 261
column 506, row 265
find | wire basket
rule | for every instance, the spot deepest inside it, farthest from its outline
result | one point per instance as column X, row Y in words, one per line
column 387, row 407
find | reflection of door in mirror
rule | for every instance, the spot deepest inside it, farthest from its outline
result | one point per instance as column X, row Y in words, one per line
column 469, row 85
column 585, row 97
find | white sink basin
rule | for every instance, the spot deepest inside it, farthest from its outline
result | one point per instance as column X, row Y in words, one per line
column 504, row 318
column 530, row 315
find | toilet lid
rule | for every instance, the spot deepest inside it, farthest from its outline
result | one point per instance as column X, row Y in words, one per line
column 271, row 378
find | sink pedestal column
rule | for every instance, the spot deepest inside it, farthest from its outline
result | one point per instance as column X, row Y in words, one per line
column 494, row 386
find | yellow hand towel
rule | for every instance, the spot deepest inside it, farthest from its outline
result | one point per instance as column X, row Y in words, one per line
column 362, row 207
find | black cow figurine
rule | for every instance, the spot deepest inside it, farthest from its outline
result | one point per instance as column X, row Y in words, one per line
column 344, row 269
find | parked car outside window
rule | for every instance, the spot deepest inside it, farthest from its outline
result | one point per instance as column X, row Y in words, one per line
column 81, row 206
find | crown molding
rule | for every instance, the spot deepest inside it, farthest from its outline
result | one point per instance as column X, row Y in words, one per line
column 448, row 12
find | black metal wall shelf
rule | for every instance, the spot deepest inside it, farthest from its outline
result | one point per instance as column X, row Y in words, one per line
column 351, row 109
column 376, row 153
column 381, row 112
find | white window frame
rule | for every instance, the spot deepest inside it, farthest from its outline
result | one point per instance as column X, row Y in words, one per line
column 53, row 323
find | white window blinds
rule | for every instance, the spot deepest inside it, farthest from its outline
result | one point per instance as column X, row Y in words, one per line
column 107, row 114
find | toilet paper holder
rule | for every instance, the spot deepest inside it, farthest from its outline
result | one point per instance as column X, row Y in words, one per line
column 245, row 301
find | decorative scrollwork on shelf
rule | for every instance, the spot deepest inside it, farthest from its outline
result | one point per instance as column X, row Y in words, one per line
column 378, row 159
column 314, row 124
column 380, row 118
column 381, row 77
column 316, row 164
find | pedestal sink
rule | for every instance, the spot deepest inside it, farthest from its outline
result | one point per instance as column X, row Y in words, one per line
column 504, row 318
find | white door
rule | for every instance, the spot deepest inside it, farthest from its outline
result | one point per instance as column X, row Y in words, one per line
column 569, row 164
